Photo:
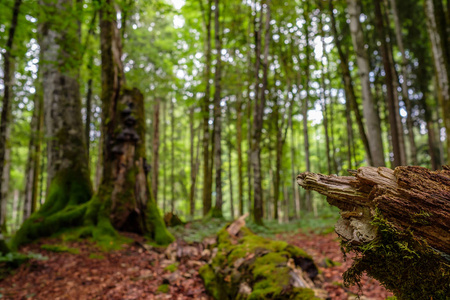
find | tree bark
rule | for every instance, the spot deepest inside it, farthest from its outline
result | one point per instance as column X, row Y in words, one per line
column 5, row 121
column 207, row 175
column 369, row 110
column 258, row 113
column 172, row 157
column 404, row 211
column 436, row 25
column 305, row 107
column 34, row 155
column 390, row 94
column 404, row 84
column 348, row 86
column 239, row 153
column 217, row 135
column 155, row 149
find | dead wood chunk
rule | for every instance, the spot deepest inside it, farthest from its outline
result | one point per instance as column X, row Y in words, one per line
column 236, row 226
column 394, row 220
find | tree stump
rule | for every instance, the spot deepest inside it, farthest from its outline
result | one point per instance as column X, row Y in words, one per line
column 398, row 224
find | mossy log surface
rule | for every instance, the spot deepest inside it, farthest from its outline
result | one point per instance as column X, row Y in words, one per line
column 247, row 266
column 398, row 224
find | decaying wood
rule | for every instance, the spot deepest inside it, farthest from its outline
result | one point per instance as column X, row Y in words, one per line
column 410, row 198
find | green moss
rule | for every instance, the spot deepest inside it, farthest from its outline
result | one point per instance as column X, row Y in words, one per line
column 158, row 230
column 96, row 256
column 60, row 248
column 260, row 262
column 403, row 263
column 171, row 268
column 163, row 288
column 65, row 206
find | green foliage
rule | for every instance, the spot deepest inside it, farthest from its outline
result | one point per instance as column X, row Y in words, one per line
column 96, row 256
column 60, row 248
column 403, row 263
column 196, row 231
column 171, row 268
column 163, row 288
column 13, row 260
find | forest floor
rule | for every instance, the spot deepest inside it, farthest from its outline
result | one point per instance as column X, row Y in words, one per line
column 137, row 271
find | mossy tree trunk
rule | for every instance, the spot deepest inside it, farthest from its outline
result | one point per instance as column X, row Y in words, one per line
column 395, row 221
column 67, row 165
column 123, row 201
column 124, row 190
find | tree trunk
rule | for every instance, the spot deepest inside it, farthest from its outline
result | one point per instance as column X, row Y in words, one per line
column 388, row 77
column 193, row 163
column 305, row 107
column 155, row 149
column 295, row 190
column 125, row 195
column 218, row 113
column 230, row 165
column 239, row 153
column 172, row 157
column 207, row 175
column 369, row 110
column 164, row 142
column 348, row 86
column 393, row 220
column 87, row 124
column 258, row 115
column 34, row 155
column 436, row 25
column 404, row 84
column 5, row 121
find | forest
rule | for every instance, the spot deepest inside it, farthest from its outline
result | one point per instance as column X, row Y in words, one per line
column 168, row 149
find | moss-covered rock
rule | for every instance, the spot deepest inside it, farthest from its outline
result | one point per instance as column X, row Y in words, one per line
column 247, row 266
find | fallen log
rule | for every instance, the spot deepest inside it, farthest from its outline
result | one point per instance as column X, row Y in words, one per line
column 247, row 266
column 397, row 222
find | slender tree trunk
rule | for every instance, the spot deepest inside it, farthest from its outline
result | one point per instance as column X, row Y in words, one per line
column 5, row 121
column 230, row 166
column 393, row 112
column 239, row 153
column 218, row 113
column 258, row 115
column 305, row 107
column 437, row 31
column 164, row 142
column 191, row 152
column 34, row 155
column 369, row 110
column 278, row 158
column 172, row 157
column 207, row 175
column 348, row 118
column 326, row 126
column 87, row 126
column 155, row 149
column 404, row 84
column 295, row 190
column 348, row 85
